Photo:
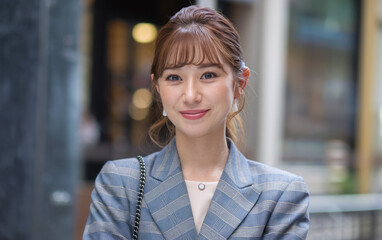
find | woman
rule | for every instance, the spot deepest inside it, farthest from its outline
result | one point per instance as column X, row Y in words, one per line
column 199, row 186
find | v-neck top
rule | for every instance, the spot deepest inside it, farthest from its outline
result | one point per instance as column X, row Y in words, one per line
column 200, row 200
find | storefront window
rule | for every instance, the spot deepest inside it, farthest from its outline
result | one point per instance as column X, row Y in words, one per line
column 320, row 103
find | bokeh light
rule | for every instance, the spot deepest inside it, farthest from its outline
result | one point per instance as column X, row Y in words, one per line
column 139, row 109
column 144, row 32
column 142, row 98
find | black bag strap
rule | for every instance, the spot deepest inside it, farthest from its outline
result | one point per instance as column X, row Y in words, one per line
column 142, row 181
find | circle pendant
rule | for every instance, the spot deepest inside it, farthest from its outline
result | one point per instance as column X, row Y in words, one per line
column 201, row 186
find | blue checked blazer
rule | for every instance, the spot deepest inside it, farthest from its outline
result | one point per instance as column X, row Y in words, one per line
column 251, row 201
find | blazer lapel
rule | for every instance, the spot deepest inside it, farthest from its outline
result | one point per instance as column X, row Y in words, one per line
column 234, row 197
column 167, row 197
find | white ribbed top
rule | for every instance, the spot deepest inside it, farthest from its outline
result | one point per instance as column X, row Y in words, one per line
column 200, row 200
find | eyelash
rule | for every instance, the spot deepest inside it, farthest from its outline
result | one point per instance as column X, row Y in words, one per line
column 171, row 76
column 211, row 75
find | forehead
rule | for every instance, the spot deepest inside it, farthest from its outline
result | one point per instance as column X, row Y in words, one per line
column 191, row 48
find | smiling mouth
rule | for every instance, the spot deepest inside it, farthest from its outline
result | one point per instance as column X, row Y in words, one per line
column 194, row 114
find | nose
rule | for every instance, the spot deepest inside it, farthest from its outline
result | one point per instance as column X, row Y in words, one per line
column 191, row 93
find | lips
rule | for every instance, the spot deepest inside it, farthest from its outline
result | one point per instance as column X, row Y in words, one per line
column 194, row 114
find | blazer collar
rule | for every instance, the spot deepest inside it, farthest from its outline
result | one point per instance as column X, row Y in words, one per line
column 236, row 168
column 168, row 201
column 166, row 196
column 234, row 197
column 166, row 162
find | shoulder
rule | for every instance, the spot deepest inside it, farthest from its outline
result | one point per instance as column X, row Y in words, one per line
column 127, row 167
column 261, row 176
column 268, row 171
column 267, row 177
column 120, row 167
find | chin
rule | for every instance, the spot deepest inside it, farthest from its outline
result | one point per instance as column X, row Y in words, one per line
column 198, row 132
column 192, row 134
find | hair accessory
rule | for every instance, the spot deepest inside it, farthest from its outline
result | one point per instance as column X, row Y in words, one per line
column 164, row 113
column 142, row 181
column 234, row 106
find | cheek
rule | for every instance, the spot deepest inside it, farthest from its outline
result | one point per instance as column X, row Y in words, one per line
column 223, row 93
column 167, row 95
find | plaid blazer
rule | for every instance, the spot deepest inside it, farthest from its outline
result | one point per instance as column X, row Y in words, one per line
column 251, row 201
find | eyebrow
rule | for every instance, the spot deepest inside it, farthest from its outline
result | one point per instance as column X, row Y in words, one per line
column 200, row 66
column 207, row 65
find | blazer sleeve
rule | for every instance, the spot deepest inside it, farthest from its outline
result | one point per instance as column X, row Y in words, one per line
column 109, row 209
column 290, row 217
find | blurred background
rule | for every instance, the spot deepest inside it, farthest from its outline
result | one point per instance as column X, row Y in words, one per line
column 75, row 92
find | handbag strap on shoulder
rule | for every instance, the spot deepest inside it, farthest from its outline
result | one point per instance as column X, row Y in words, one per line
column 142, row 181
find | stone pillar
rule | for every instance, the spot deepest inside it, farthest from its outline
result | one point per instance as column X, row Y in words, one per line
column 263, row 29
column 39, row 116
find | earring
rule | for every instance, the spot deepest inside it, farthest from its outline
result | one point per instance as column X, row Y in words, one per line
column 164, row 113
column 234, row 106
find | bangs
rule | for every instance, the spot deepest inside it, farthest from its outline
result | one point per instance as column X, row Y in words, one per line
column 191, row 46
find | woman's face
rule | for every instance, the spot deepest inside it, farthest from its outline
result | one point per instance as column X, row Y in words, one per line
column 198, row 98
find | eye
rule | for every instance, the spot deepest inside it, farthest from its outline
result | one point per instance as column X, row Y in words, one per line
column 173, row 78
column 208, row 75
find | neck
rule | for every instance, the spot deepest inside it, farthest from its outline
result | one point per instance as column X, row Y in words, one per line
column 204, row 158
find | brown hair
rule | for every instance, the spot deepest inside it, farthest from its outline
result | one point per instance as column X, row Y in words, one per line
column 189, row 37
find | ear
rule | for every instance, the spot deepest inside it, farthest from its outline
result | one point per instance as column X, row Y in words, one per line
column 242, row 81
column 156, row 84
